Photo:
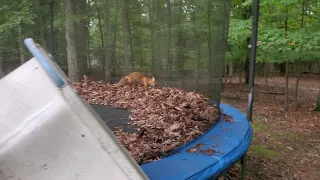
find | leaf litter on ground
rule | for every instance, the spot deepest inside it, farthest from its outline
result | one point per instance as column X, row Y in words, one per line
column 167, row 117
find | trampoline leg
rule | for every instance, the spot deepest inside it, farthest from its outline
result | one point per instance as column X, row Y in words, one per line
column 244, row 167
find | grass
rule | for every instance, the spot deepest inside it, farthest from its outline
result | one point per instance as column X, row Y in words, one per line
column 263, row 151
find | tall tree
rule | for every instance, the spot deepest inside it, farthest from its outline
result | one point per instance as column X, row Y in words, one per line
column 287, row 63
column 114, row 64
column 152, row 40
column 107, row 63
column 82, row 37
column 169, row 58
column 21, row 46
column 126, row 38
column 73, row 65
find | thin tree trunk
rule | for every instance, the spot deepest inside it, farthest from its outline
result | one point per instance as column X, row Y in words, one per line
column 132, row 60
column 181, row 43
column 40, row 25
column 88, row 49
column 210, row 72
column 21, row 47
column 106, row 30
column 298, row 64
column 82, row 39
column 152, row 31
column 298, row 68
column 101, row 37
column 266, row 75
column 114, row 42
column 169, row 60
column 127, row 64
column 287, row 65
column 157, row 39
column 73, row 69
column 197, row 67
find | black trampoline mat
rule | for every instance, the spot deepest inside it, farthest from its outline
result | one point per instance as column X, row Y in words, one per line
column 114, row 118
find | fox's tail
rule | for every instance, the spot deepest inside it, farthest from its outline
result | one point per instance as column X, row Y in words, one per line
column 121, row 82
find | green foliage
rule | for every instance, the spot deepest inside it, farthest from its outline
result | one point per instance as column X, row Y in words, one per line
column 302, row 40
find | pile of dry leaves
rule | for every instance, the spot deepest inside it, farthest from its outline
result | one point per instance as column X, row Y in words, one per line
column 167, row 117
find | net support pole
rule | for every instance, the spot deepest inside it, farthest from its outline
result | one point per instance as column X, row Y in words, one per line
column 255, row 20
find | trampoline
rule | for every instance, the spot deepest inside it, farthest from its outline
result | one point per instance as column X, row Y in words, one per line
column 51, row 133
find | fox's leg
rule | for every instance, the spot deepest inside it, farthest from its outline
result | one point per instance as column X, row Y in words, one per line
column 145, row 83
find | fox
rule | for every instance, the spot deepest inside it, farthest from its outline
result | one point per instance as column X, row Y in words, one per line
column 136, row 77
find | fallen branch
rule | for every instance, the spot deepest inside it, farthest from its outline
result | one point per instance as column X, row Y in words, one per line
column 277, row 93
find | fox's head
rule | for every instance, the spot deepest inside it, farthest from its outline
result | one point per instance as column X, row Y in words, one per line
column 152, row 82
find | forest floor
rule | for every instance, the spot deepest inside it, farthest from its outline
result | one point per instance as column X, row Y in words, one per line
column 284, row 145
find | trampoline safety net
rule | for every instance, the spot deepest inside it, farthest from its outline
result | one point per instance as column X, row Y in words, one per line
column 181, row 43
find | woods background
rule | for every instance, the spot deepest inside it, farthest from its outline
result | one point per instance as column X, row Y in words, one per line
column 190, row 44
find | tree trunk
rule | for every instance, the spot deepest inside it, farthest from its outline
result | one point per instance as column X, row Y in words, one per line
column 169, row 60
column 266, row 75
column 82, row 38
column 287, row 65
column 157, row 39
column 101, row 37
column 298, row 68
column 88, row 48
column 73, row 67
column 114, row 42
column 181, row 43
column 210, row 63
column 106, row 36
column 132, row 60
column 40, row 25
column 197, row 66
column 286, row 88
column 127, row 64
column 230, row 69
column 152, row 31
column 21, row 48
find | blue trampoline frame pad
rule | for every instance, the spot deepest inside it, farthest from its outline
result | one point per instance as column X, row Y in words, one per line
column 230, row 139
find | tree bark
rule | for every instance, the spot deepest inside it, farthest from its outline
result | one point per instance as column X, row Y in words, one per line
column 127, row 64
column 152, row 42
column 210, row 72
column 101, row 37
column 21, row 48
column 298, row 64
column 73, row 68
column 157, row 39
column 132, row 60
column 169, row 60
column 40, row 25
column 114, row 42
column 82, row 38
column 287, row 64
column 107, row 64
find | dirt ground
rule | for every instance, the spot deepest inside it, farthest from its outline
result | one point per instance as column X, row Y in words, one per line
column 284, row 145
